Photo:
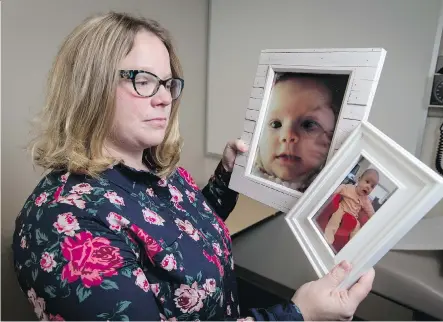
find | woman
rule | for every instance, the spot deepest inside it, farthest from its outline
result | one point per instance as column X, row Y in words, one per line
column 117, row 231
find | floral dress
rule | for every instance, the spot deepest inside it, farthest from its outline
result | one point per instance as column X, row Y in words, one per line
column 131, row 246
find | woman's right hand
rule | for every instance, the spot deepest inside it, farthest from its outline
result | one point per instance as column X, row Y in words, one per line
column 320, row 300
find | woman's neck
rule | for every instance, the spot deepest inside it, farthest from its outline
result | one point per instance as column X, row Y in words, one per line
column 131, row 158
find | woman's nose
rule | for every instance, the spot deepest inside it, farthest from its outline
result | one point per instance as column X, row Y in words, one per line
column 162, row 97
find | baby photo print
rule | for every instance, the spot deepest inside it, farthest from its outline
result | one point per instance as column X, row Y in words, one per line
column 302, row 107
column 364, row 190
column 298, row 127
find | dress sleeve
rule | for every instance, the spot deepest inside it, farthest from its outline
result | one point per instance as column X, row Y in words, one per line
column 219, row 195
column 287, row 311
column 83, row 270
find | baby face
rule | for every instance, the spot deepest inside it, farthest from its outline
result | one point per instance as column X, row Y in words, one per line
column 298, row 129
column 367, row 183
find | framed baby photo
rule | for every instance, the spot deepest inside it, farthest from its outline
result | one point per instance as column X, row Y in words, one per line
column 303, row 105
column 370, row 194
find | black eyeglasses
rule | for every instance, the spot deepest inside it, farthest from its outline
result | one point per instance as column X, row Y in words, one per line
column 146, row 84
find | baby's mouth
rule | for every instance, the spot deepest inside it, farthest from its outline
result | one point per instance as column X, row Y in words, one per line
column 287, row 157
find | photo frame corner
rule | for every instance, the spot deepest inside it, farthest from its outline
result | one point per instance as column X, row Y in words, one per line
column 421, row 189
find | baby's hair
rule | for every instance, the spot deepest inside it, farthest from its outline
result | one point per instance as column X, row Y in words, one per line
column 335, row 83
column 370, row 171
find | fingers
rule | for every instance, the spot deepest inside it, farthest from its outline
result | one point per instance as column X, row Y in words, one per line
column 238, row 145
column 338, row 274
column 360, row 290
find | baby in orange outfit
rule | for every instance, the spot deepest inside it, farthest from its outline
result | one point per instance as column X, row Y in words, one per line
column 344, row 224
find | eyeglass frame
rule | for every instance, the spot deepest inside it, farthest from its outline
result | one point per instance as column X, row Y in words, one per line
column 132, row 73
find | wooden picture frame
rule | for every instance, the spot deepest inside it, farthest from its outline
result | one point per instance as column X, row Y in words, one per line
column 414, row 190
column 351, row 101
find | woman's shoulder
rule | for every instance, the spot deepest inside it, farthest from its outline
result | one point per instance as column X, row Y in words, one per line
column 61, row 196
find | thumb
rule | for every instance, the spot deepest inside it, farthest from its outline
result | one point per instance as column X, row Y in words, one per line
column 337, row 274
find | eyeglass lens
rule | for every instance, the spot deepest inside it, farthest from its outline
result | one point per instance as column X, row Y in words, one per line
column 147, row 85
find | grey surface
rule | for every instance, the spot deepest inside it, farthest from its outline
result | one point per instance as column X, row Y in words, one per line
column 414, row 279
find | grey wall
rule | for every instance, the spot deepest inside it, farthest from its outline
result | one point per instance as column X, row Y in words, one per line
column 240, row 29
column 31, row 34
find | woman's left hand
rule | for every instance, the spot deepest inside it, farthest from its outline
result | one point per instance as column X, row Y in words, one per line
column 230, row 152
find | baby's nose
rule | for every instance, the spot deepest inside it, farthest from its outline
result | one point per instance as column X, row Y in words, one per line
column 289, row 136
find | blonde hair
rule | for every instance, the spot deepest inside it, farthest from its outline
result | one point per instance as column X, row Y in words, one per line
column 79, row 110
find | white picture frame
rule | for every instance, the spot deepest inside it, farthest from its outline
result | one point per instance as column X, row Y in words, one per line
column 419, row 188
column 362, row 67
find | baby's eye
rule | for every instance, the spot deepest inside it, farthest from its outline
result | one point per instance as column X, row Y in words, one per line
column 275, row 124
column 310, row 125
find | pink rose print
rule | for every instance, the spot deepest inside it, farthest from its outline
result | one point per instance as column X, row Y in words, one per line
column 47, row 262
column 185, row 175
column 23, row 242
column 215, row 260
column 81, row 188
column 191, row 196
column 217, row 249
column 224, row 227
column 152, row 217
column 40, row 200
column 58, row 193
column 228, row 310
column 155, row 288
column 152, row 248
column 114, row 198
column 116, row 221
column 141, row 280
column 187, row 227
column 179, row 207
column 90, row 258
column 169, row 263
column 176, row 196
column 217, row 227
column 73, row 199
column 38, row 303
column 209, row 285
column 205, row 205
column 189, row 298
column 55, row 317
column 64, row 177
column 162, row 183
column 66, row 223
column 150, row 192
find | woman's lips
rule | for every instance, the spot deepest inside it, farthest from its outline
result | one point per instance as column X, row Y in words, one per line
column 157, row 122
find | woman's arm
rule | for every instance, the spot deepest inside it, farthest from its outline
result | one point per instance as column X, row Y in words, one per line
column 218, row 194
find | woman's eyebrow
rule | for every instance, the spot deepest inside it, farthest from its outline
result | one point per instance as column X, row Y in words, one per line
column 149, row 69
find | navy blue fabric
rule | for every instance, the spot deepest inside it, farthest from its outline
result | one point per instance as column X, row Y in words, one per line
column 131, row 246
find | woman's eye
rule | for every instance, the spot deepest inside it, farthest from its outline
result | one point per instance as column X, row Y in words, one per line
column 275, row 124
column 142, row 83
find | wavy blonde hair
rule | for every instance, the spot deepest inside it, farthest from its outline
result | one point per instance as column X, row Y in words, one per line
column 80, row 102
